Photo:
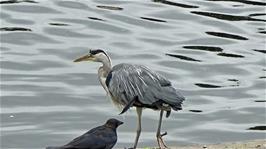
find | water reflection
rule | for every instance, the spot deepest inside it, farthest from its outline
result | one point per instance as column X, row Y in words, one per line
column 72, row 5
column 110, row 7
column 257, row 128
column 227, row 35
column 59, row 24
column 31, row 9
column 175, row 4
column 182, row 57
column 230, row 55
column 94, row 18
column 204, row 48
column 24, row 38
column 17, row 1
column 14, row 29
column 244, row 2
column 152, row 19
column 260, row 100
column 257, row 14
column 262, row 51
column 227, row 17
column 262, row 32
column 67, row 33
column 196, row 111
column 203, row 85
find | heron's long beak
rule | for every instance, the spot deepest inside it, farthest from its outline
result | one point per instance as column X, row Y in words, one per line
column 87, row 57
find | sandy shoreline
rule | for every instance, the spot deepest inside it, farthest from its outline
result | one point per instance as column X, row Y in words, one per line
column 253, row 144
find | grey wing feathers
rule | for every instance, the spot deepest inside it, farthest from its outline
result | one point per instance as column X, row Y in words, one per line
column 129, row 81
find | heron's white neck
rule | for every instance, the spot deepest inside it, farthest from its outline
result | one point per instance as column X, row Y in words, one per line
column 104, row 70
column 106, row 67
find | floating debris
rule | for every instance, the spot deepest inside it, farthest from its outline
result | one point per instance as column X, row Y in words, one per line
column 257, row 128
column 152, row 19
column 204, row 48
column 14, row 29
column 230, row 55
column 183, row 57
column 207, row 85
column 226, row 35
column 110, row 7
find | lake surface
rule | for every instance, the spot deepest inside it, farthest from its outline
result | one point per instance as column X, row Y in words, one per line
column 212, row 50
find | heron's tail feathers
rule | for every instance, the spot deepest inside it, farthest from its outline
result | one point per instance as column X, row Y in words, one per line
column 177, row 107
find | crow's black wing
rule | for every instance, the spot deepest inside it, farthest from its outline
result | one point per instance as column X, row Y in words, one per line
column 98, row 138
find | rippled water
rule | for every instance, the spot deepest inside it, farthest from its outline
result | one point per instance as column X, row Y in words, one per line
column 212, row 50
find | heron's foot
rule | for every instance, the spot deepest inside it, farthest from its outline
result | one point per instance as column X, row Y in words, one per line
column 161, row 142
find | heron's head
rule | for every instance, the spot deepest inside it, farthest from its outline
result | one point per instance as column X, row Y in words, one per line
column 113, row 123
column 97, row 55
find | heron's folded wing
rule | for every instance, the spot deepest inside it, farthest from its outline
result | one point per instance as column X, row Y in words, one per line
column 128, row 81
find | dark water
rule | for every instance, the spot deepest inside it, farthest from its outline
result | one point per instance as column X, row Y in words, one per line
column 212, row 50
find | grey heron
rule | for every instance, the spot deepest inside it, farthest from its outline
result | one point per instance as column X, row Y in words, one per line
column 101, row 137
column 136, row 85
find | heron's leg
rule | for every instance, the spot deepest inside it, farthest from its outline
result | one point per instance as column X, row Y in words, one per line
column 139, row 113
column 159, row 135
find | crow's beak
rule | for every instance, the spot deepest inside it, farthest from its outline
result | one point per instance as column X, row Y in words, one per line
column 87, row 57
column 120, row 123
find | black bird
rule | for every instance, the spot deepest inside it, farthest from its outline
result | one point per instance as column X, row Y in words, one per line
column 101, row 137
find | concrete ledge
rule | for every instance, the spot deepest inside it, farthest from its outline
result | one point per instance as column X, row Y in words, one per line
column 253, row 144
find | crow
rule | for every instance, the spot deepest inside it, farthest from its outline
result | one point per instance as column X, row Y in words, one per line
column 101, row 137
